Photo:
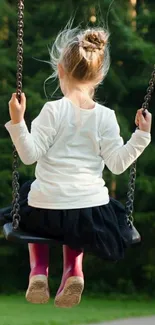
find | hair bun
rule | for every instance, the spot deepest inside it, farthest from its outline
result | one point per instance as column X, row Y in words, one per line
column 93, row 40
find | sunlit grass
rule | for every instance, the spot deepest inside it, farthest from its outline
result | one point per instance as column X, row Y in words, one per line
column 14, row 310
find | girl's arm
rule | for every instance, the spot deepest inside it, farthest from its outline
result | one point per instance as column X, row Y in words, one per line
column 117, row 156
column 32, row 145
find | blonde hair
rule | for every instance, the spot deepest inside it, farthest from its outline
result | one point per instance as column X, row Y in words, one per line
column 84, row 54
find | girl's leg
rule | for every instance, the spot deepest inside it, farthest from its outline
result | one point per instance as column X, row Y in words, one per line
column 38, row 291
column 72, row 284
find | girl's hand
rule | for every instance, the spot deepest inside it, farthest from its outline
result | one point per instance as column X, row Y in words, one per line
column 143, row 122
column 17, row 109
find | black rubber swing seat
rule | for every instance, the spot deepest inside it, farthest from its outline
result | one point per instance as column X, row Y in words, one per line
column 19, row 236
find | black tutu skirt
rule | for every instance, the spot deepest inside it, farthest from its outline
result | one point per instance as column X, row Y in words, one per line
column 101, row 230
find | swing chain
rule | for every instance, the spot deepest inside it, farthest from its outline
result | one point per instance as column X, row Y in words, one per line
column 15, row 175
column 132, row 176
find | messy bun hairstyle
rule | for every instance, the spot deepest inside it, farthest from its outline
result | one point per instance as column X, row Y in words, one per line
column 84, row 54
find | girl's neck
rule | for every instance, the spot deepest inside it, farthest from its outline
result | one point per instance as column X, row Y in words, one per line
column 81, row 97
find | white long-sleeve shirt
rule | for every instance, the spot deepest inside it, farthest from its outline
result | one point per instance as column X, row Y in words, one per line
column 71, row 146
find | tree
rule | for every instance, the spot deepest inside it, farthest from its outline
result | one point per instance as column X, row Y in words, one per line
column 132, row 54
column 132, row 59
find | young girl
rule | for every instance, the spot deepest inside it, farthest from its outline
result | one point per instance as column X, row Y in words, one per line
column 72, row 139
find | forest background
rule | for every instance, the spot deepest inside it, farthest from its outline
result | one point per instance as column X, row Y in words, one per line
column 132, row 45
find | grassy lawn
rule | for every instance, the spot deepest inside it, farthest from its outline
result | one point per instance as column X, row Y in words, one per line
column 14, row 310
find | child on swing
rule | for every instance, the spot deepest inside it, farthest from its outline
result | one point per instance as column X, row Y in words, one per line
column 72, row 139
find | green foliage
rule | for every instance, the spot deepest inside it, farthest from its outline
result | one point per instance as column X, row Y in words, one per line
column 132, row 54
column 132, row 59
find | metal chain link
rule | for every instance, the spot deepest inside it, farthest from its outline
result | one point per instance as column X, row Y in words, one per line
column 132, row 176
column 15, row 175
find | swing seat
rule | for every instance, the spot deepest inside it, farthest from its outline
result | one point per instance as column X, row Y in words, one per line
column 19, row 236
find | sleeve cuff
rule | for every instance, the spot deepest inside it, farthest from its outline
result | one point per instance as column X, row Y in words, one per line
column 10, row 126
column 143, row 134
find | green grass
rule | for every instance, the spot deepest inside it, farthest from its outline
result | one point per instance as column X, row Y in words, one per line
column 14, row 310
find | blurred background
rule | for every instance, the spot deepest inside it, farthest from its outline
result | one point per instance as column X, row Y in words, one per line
column 132, row 45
